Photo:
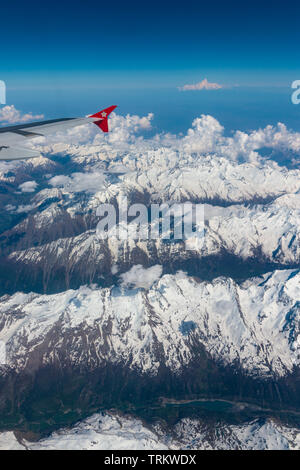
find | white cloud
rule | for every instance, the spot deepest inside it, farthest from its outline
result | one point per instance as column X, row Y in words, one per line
column 11, row 115
column 124, row 129
column 21, row 209
column 114, row 269
column 203, row 85
column 206, row 136
column 28, row 186
column 79, row 182
column 138, row 276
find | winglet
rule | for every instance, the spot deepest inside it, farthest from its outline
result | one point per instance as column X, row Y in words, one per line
column 102, row 116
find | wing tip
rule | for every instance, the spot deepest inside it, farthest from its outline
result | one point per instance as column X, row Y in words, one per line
column 104, row 113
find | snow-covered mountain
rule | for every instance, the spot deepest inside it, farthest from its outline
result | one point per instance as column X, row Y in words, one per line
column 254, row 325
column 48, row 240
column 108, row 431
column 91, row 323
column 267, row 233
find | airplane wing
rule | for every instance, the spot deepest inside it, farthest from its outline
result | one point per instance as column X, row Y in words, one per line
column 12, row 137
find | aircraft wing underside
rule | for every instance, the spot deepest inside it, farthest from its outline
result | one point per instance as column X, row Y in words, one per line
column 13, row 137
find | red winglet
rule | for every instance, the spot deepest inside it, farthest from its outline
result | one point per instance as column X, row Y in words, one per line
column 103, row 115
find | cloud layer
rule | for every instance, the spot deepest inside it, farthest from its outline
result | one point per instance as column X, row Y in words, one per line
column 205, row 137
column 128, row 135
column 11, row 115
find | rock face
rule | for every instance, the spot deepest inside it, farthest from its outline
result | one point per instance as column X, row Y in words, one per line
column 126, row 324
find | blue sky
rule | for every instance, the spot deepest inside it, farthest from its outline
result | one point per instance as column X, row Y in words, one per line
column 61, row 55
